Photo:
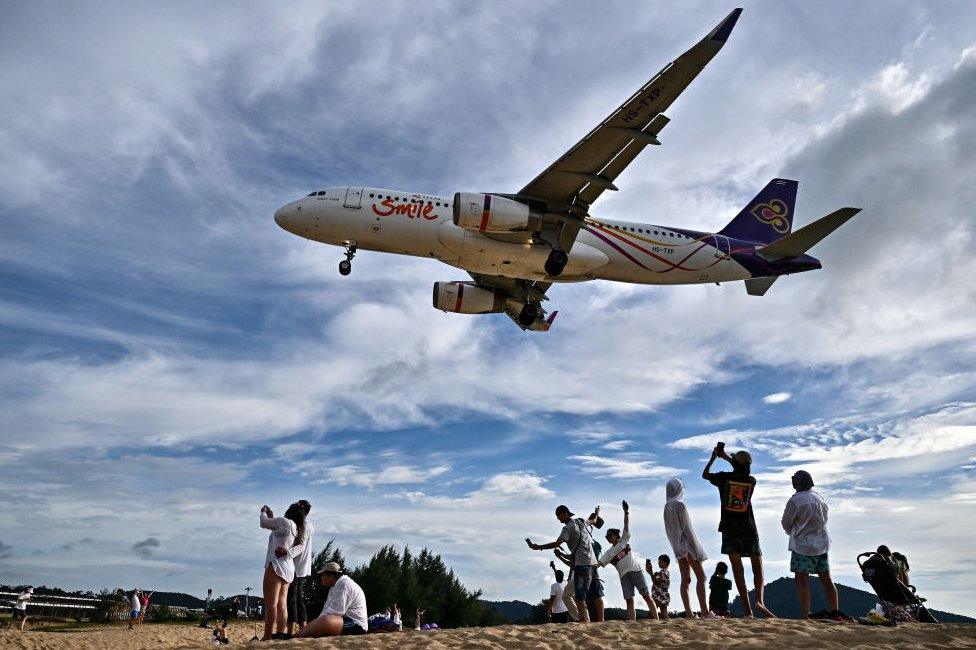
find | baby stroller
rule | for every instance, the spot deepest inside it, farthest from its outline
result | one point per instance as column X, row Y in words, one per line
column 881, row 574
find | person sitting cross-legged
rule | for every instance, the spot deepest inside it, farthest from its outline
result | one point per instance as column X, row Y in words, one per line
column 344, row 613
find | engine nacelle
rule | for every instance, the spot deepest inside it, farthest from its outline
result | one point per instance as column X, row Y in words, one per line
column 491, row 213
column 466, row 298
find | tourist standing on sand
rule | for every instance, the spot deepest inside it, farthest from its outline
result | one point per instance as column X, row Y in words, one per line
column 577, row 535
column 297, row 616
column 279, row 567
column 738, row 524
column 556, row 607
column 344, row 613
column 622, row 557
column 135, row 604
column 144, row 601
column 20, row 607
column 568, row 599
column 687, row 549
column 805, row 521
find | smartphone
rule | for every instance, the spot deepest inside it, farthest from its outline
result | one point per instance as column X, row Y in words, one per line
column 528, row 541
column 720, row 446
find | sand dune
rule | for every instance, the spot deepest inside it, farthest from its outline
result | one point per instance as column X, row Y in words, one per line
column 616, row 634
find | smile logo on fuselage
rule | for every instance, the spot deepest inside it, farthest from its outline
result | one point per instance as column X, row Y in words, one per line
column 774, row 213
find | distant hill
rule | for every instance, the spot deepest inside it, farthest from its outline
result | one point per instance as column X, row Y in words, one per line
column 781, row 599
column 513, row 611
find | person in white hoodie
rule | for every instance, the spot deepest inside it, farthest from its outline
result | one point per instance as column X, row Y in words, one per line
column 687, row 549
column 805, row 521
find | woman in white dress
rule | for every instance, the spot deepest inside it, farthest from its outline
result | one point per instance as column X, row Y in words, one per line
column 284, row 543
column 687, row 549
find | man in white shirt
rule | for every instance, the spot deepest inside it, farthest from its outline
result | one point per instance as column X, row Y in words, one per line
column 805, row 521
column 303, row 568
column 556, row 607
column 136, row 604
column 344, row 613
column 628, row 567
column 20, row 607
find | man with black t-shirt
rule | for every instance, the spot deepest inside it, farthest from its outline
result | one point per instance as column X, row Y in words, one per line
column 737, row 524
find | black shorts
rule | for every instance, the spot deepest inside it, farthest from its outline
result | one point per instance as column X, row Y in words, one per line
column 561, row 617
column 351, row 627
column 296, row 602
column 19, row 614
column 732, row 545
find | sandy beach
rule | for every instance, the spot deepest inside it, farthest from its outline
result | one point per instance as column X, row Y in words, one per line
column 616, row 634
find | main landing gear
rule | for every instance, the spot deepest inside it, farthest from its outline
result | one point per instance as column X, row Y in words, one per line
column 345, row 266
column 530, row 312
column 556, row 262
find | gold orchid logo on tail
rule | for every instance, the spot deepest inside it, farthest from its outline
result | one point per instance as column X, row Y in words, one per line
column 774, row 213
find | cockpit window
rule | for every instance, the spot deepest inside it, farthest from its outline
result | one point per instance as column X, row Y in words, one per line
column 312, row 194
column 322, row 193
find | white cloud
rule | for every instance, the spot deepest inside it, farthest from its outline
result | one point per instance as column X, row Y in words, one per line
column 777, row 398
column 623, row 468
column 390, row 475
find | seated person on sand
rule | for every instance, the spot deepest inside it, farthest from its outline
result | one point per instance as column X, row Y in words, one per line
column 344, row 613
column 621, row 556
column 737, row 523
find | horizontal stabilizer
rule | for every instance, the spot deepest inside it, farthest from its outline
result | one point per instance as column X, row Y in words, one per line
column 799, row 242
column 759, row 286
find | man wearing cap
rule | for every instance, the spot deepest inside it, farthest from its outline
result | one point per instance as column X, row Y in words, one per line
column 738, row 524
column 576, row 535
column 805, row 521
column 344, row 613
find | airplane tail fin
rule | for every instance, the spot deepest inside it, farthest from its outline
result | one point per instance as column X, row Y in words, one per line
column 767, row 217
column 799, row 242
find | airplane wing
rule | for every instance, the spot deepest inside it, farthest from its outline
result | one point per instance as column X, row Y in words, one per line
column 520, row 291
column 582, row 174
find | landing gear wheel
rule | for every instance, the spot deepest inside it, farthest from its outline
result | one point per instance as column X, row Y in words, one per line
column 530, row 312
column 556, row 262
column 345, row 266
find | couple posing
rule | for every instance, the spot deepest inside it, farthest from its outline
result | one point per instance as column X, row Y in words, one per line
column 288, row 560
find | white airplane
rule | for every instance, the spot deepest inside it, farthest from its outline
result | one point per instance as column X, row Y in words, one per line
column 515, row 246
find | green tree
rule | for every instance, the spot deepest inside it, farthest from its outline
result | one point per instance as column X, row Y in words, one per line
column 315, row 594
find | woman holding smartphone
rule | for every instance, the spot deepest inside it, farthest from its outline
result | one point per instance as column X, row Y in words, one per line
column 287, row 539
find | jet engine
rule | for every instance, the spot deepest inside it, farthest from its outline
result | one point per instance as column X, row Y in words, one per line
column 491, row 213
column 466, row 298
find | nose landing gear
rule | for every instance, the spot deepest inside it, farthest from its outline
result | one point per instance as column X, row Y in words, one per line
column 345, row 266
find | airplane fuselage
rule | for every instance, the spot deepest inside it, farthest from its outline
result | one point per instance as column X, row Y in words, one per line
column 421, row 225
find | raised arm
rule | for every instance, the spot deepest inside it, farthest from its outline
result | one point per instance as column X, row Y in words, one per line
column 716, row 453
column 626, row 517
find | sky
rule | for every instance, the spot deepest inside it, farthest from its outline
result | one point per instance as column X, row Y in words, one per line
column 171, row 360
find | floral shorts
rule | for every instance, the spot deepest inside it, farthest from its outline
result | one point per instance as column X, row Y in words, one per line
column 800, row 563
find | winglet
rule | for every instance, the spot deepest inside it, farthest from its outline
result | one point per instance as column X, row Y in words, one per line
column 548, row 322
column 721, row 33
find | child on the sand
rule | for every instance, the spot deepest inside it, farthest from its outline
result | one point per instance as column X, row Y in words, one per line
column 661, row 580
column 719, row 587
